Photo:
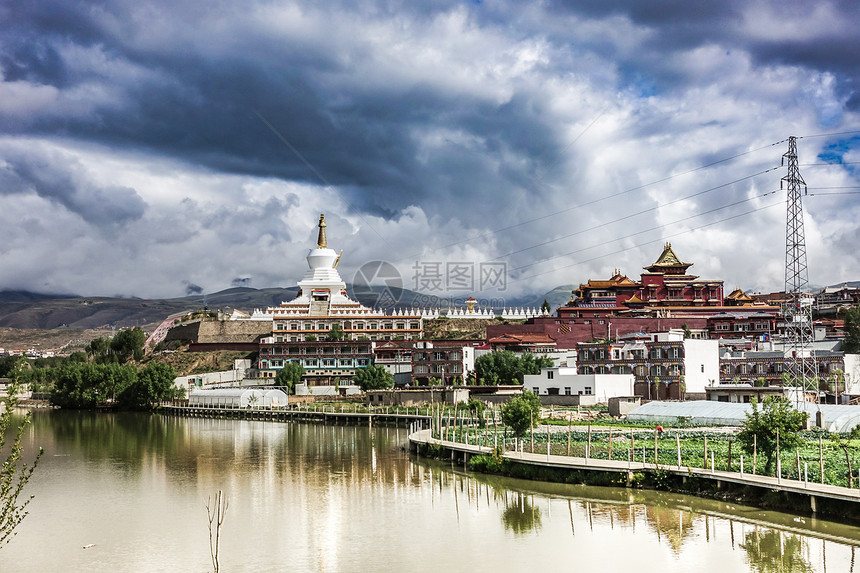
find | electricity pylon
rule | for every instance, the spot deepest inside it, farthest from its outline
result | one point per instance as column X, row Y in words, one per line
column 800, row 363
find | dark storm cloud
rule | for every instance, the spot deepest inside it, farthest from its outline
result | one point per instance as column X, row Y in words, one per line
column 191, row 288
column 189, row 99
column 203, row 107
column 241, row 282
column 471, row 111
column 823, row 36
column 57, row 179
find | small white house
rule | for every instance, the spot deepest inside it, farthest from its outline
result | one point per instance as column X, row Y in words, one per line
column 237, row 398
column 564, row 381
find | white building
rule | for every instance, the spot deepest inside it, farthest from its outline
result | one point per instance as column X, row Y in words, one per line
column 237, row 398
column 233, row 377
column 852, row 375
column 564, row 381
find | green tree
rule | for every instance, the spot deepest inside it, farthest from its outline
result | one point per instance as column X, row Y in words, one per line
column 99, row 348
column 476, row 408
column 79, row 356
column 760, row 428
column 521, row 412
column 85, row 385
column 153, row 384
column 128, row 344
column 851, row 343
column 505, row 367
column 9, row 364
column 14, row 471
column 290, row 375
column 335, row 333
column 373, row 378
column 545, row 306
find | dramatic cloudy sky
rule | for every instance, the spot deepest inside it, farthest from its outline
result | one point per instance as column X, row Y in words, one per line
column 153, row 148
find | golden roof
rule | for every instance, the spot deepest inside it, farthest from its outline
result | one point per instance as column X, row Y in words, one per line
column 668, row 258
column 321, row 240
column 739, row 294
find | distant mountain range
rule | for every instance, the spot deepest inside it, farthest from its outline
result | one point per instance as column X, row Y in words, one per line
column 22, row 309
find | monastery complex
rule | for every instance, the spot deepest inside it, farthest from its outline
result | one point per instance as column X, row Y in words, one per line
column 667, row 334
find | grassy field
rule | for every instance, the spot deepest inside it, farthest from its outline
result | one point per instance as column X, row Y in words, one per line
column 697, row 448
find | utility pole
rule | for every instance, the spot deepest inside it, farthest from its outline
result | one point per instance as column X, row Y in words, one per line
column 801, row 366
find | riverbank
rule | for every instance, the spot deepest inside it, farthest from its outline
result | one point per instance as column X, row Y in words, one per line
column 802, row 497
column 794, row 496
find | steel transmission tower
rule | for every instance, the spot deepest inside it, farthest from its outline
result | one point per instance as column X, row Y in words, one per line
column 801, row 366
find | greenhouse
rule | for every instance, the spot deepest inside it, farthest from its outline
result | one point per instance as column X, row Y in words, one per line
column 834, row 418
column 237, row 398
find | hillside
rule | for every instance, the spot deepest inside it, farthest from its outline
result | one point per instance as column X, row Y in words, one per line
column 34, row 311
column 56, row 340
column 81, row 313
column 186, row 363
column 461, row 329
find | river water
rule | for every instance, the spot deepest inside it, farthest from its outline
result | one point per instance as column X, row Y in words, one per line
column 305, row 497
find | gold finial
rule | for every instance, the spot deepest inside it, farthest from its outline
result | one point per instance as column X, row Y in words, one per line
column 321, row 242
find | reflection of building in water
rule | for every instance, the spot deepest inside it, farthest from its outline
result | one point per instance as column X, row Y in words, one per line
column 675, row 526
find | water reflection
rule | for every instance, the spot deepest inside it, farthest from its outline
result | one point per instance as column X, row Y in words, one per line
column 520, row 515
column 314, row 495
column 776, row 552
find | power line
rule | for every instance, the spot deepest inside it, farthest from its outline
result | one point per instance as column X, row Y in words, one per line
column 826, row 134
column 708, row 212
column 840, row 187
column 649, row 242
column 835, row 193
column 635, row 214
column 594, row 201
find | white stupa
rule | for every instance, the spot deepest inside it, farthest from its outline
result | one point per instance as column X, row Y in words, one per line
column 322, row 292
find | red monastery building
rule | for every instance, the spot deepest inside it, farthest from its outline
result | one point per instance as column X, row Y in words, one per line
column 665, row 284
column 665, row 297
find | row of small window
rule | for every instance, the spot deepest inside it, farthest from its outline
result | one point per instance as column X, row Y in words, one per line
column 347, row 326
column 437, row 369
column 638, row 371
column 314, row 362
column 743, row 327
column 437, row 355
column 300, row 338
column 317, row 350
column 656, row 353
column 586, row 390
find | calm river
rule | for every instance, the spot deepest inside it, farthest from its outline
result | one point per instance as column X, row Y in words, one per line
column 320, row 498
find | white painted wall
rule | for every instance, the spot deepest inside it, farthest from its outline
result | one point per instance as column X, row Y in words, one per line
column 852, row 373
column 602, row 386
column 701, row 364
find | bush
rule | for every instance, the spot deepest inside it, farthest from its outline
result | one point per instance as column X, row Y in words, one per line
column 520, row 413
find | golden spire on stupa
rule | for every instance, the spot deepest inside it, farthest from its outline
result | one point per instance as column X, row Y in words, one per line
column 321, row 241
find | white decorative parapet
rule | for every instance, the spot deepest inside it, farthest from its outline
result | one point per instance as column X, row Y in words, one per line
column 488, row 313
column 480, row 313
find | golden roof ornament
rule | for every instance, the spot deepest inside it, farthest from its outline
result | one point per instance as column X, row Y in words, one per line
column 321, row 240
